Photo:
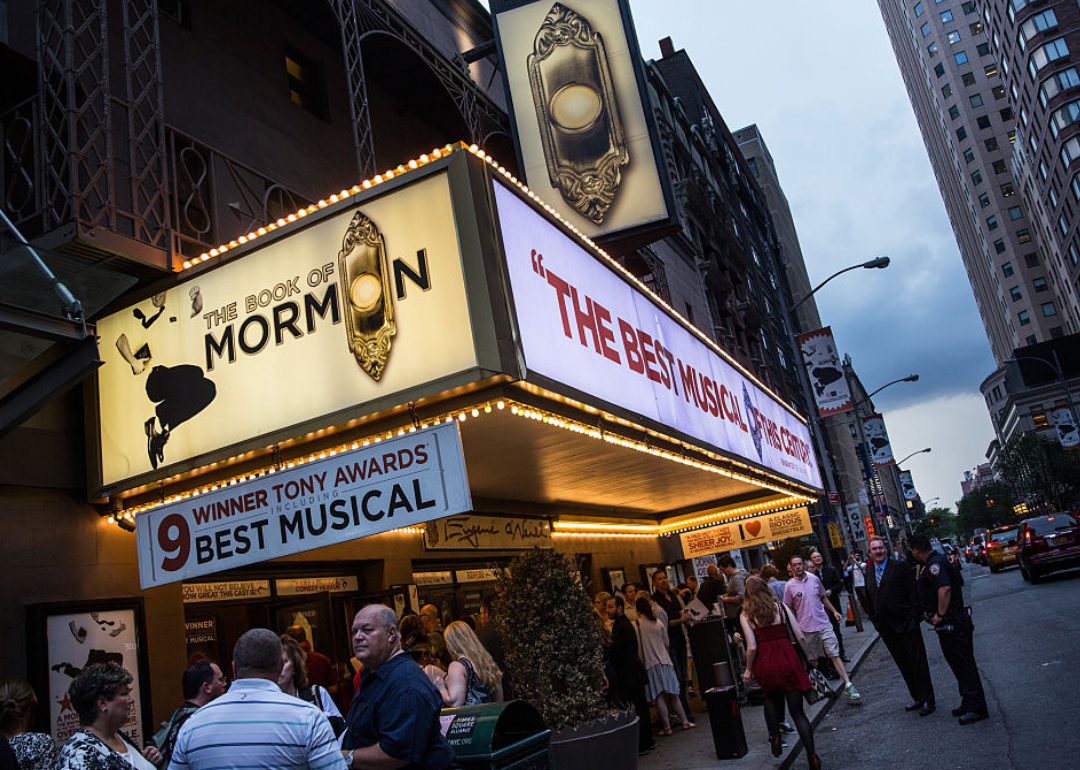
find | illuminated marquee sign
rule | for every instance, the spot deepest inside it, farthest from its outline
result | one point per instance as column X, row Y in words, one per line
column 586, row 327
column 358, row 306
column 581, row 112
column 741, row 534
column 395, row 483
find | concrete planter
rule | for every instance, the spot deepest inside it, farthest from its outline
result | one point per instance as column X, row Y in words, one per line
column 609, row 742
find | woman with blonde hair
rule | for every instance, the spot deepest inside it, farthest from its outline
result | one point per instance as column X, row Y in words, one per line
column 473, row 676
column 293, row 681
column 33, row 751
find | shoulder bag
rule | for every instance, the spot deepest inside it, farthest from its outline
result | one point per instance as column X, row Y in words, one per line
column 819, row 685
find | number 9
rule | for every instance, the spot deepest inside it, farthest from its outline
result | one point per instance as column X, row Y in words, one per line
column 181, row 543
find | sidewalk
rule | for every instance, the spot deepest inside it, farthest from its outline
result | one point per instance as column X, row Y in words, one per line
column 693, row 750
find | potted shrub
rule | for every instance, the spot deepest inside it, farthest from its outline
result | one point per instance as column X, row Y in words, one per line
column 553, row 650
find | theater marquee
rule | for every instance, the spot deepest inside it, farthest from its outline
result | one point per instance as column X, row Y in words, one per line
column 359, row 305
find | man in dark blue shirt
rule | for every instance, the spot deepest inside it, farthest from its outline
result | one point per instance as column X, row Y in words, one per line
column 394, row 719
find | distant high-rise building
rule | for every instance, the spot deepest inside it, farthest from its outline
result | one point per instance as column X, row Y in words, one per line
column 967, row 114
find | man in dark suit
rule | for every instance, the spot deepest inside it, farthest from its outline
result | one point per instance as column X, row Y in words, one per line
column 893, row 606
column 630, row 675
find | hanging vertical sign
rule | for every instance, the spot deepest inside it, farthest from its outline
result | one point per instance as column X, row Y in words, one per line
column 855, row 521
column 825, row 372
column 908, row 485
column 1067, row 430
column 878, row 440
column 580, row 109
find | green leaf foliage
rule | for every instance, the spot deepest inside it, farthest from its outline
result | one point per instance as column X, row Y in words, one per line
column 551, row 644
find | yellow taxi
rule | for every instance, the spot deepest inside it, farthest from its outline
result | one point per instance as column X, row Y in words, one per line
column 1001, row 548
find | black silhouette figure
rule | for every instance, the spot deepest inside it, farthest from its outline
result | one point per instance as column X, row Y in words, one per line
column 180, row 392
column 824, row 376
column 94, row 656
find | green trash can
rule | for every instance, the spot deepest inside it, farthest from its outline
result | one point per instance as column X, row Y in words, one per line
column 498, row 736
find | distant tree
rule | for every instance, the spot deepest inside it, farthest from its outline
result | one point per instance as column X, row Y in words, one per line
column 939, row 523
column 987, row 507
column 1040, row 472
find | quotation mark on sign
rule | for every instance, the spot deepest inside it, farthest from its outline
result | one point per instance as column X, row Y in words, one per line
column 538, row 263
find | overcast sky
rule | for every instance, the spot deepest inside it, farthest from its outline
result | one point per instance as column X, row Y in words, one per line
column 823, row 86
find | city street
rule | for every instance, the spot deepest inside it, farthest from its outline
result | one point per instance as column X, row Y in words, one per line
column 1026, row 646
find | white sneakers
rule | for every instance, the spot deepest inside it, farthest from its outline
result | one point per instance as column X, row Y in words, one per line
column 851, row 692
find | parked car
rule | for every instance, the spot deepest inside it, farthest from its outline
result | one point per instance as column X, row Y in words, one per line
column 1048, row 543
column 1001, row 548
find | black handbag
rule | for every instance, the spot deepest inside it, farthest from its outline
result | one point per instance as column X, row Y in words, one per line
column 819, row 685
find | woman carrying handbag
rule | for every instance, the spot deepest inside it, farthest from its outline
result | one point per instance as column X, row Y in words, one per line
column 772, row 660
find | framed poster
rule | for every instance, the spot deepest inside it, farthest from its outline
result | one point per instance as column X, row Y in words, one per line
column 64, row 638
column 614, row 579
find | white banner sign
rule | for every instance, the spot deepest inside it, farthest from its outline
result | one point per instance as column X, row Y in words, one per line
column 356, row 307
column 586, row 327
column 481, row 575
column 908, row 485
column 740, row 534
column 226, row 591
column 701, row 565
column 825, row 372
column 877, row 439
column 316, row 585
column 469, row 532
column 395, row 483
column 433, row 578
column 855, row 521
column 1067, row 430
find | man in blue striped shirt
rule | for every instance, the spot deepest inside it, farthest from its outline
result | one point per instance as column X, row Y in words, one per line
column 255, row 724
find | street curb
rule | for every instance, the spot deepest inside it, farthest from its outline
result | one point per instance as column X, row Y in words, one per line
column 825, row 706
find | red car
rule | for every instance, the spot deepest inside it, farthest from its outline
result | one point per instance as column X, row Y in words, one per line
column 1048, row 543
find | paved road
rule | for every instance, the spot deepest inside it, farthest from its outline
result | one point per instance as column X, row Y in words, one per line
column 1027, row 643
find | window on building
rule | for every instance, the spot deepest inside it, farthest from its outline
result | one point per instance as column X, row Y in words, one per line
column 976, row 29
column 1031, row 340
column 1039, row 284
column 946, row 90
column 991, row 70
column 919, row 10
column 983, row 49
column 968, row 8
column 969, row 155
column 953, row 37
column 1007, row 269
column 1035, row 25
column 1057, row 332
column 1063, row 225
column 1031, row 259
column 961, row 134
column 1070, row 151
column 1043, row 55
column 954, row 112
column 960, row 56
column 1023, row 115
column 1039, row 418
column 1058, row 82
column 1023, row 236
column 976, row 177
column 946, row 17
column 991, row 223
column 925, row 29
column 1064, row 116
column 1034, row 144
column 1015, row 213
column 998, row 92
column 976, row 100
column 1011, row 133
column 999, row 245
column 1048, row 309
column 1051, row 193
column 1007, row 190
column 984, row 200
column 968, row 79
column 983, row 122
column 1023, row 317
column 1042, row 170
column 1015, row 293
column 1000, row 167
column 1074, row 257
column 991, row 144
column 939, row 69
column 305, row 83
column 1006, row 114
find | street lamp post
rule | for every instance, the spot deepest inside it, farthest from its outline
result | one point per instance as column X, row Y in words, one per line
column 808, row 397
column 900, row 486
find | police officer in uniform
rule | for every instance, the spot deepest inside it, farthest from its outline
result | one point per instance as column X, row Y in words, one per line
column 942, row 600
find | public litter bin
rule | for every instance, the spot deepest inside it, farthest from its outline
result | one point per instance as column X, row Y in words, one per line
column 498, row 736
column 713, row 656
column 725, row 719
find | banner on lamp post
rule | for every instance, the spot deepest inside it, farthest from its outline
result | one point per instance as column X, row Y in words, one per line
column 908, row 485
column 1068, row 431
column 825, row 372
column 877, row 438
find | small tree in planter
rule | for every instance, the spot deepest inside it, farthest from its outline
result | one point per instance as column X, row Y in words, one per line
column 553, row 650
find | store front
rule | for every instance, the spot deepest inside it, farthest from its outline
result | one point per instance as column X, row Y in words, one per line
column 386, row 396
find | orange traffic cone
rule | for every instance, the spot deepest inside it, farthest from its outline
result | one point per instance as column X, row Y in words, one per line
column 850, row 616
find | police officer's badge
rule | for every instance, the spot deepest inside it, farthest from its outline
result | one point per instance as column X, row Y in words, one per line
column 935, row 568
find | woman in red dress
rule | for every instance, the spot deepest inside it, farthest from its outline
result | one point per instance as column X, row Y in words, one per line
column 772, row 660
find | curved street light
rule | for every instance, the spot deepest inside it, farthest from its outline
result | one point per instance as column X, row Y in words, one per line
column 870, row 264
column 921, row 451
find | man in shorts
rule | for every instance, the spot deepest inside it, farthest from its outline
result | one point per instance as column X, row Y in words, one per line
column 805, row 594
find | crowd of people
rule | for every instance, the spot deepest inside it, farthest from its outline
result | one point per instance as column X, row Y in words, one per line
column 275, row 715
